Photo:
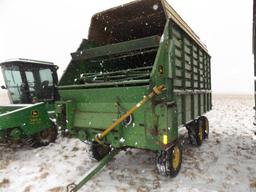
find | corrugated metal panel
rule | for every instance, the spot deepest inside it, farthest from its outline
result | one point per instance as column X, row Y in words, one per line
column 171, row 13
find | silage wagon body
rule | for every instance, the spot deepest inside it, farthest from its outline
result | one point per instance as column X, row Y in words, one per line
column 130, row 50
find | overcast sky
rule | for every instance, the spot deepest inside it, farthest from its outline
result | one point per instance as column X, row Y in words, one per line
column 51, row 29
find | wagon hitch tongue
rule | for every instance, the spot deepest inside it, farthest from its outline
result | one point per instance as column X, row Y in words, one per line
column 75, row 187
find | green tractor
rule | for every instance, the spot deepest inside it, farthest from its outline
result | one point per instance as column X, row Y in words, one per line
column 31, row 87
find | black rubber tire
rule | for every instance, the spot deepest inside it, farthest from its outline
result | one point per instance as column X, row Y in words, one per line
column 169, row 162
column 99, row 151
column 195, row 132
column 46, row 136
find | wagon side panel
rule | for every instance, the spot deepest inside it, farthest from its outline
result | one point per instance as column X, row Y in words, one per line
column 192, row 80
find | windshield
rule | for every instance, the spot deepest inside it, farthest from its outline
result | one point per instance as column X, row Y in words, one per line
column 29, row 84
column 14, row 84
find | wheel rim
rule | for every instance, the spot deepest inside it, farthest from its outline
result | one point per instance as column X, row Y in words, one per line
column 206, row 128
column 200, row 133
column 176, row 157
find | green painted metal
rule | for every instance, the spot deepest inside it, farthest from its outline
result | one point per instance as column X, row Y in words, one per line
column 73, row 187
column 127, row 54
column 31, row 86
column 20, row 121
column 128, row 46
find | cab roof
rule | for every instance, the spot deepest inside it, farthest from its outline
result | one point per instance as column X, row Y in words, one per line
column 25, row 61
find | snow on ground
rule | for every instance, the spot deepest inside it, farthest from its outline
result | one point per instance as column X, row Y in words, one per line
column 226, row 162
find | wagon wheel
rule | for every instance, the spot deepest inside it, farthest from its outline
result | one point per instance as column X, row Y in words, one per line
column 99, row 151
column 199, row 132
column 205, row 123
column 46, row 136
column 169, row 162
column 196, row 132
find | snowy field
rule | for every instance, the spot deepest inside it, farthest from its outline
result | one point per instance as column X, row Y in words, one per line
column 226, row 162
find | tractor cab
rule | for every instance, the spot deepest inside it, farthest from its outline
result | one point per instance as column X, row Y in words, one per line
column 30, row 81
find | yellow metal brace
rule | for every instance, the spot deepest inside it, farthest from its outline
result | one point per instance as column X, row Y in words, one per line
column 156, row 91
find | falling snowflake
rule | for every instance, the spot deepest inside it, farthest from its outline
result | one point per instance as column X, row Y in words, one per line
column 122, row 140
column 162, row 39
column 155, row 7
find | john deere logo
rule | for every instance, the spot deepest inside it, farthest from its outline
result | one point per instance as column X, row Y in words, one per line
column 34, row 113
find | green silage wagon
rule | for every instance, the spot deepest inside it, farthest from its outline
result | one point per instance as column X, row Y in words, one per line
column 139, row 56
